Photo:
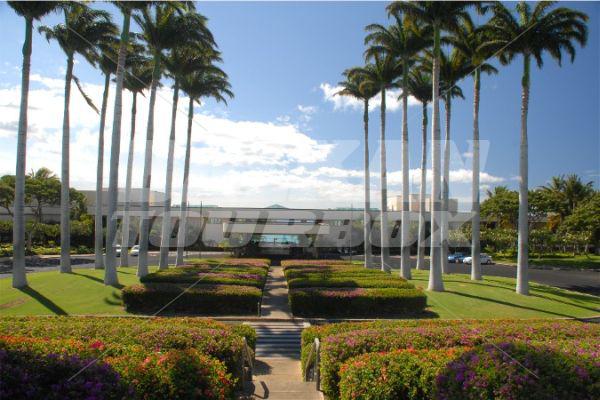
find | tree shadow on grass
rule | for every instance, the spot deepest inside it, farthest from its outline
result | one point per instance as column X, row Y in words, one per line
column 93, row 278
column 505, row 303
column 43, row 300
column 564, row 296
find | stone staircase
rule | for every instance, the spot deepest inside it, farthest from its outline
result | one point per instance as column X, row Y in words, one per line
column 278, row 339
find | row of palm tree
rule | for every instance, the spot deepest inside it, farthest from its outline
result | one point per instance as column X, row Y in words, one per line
column 426, row 51
column 175, row 42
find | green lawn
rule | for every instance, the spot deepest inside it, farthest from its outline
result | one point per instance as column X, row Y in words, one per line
column 590, row 261
column 83, row 292
column 495, row 297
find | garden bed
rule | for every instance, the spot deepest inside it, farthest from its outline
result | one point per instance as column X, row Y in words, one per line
column 139, row 358
column 342, row 343
column 334, row 288
column 227, row 286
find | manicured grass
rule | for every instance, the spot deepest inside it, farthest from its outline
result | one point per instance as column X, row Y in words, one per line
column 82, row 292
column 495, row 297
column 590, row 261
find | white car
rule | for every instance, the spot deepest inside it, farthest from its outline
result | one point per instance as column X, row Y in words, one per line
column 483, row 259
column 118, row 250
column 135, row 250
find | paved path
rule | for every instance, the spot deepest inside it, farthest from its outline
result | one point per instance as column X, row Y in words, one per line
column 277, row 371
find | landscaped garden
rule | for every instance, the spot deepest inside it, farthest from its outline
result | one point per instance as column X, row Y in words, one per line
column 114, row 358
column 443, row 359
column 323, row 288
column 228, row 286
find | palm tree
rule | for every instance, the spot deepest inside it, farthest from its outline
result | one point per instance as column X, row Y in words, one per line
column 80, row 34
column 138, row 80
column 419, row 86
column 107, row 64
column 30, row 10
column 532, row 34
column 161, row 30
column 403, row 41
column 568, row 192
column 441, row 16
column 127, row 8
column 468, row 42
column 381, row 76
column 181, row 60
column 355, row 86
column 206, row 81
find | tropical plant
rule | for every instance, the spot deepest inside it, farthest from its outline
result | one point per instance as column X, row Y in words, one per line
column 565, row 193
column 137, row 80
column 182, row 59
column 403, row 40
column 161, row 30
column 30, row 11
column 207, row 81
column 441, row 16
column 532, row 33
column 380, row 75
column 81, row 32
column 356, row 86
column 469, row 42
column 419, row 86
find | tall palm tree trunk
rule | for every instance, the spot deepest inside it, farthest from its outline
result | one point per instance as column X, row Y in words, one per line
column 19, row 278
column 166, row 219
column 385, row 246
column 125, row 229
column 110, row 274
column 98, row 234
column 444, row 231
column 181, row 234
column 144, row 220
column 422, row 189
column 475, row 224
column 404, row 228
column 65, row 217
column 523, row 250
column 367, row 212
column 435, row 270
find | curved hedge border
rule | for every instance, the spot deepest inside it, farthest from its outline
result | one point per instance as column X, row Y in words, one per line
column 492, row 371
column 356, row 302
column 338, row 348
column 199, row 299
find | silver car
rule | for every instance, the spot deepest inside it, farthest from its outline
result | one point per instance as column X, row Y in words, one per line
column 483, row 259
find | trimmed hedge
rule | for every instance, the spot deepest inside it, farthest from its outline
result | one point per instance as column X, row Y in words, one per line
column 256, row 276
column 490, row 371
column 356, row 302
column 364, row 282
column 56, row 369
column 338, row 348
column 199, row 299
column 227, row 261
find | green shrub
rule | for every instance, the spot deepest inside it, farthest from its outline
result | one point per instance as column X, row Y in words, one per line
column 199, row 299
column 254, row 276
column 356, row 302
column 246, row 262
column 343, row 281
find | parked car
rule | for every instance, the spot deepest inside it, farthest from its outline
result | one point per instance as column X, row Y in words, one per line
column 135, row 250
column 456, row 257
column 483, row 259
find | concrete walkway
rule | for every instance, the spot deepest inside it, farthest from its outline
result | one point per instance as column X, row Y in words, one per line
column 277, row 371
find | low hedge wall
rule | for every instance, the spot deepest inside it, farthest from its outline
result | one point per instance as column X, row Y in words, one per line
column 338, row 348
column 199, row 299
column 490, row 371
column 364, row 282
column 229, row 261
column 256, row 277
column 356, row 302
column 294, row 263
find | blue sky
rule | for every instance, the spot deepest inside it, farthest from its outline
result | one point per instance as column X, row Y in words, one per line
column 284, row 139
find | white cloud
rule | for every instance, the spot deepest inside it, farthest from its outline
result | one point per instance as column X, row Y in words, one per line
column 393, row 103
column 307, row 109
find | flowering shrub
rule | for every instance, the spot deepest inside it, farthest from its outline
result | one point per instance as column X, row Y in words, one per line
column 226, row 261
column 293, row 263
column 67, row 368
column 253, row 276
column 356, row 302
column 199, row 299
column 491, row 371
column 350, row 281
column 338, row 348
